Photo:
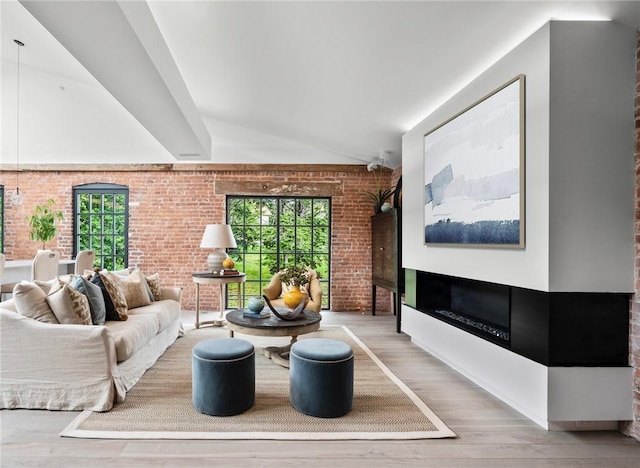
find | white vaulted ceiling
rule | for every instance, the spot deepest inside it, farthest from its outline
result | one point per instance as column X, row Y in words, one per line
column 255, row 82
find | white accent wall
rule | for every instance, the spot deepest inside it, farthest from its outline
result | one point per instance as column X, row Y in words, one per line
column 579, row 169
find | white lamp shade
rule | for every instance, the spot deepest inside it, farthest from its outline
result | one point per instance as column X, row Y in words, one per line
column 218, row 236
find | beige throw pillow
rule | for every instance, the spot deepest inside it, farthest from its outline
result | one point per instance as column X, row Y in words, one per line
column 134, row 289
column 154, row 284
column 70, row 306
column 31, row 301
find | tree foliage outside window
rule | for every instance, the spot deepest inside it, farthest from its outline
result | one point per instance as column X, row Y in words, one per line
column 275, row 232
column 101, row 223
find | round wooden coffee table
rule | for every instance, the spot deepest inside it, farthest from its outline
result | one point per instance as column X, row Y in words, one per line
column 306, row 322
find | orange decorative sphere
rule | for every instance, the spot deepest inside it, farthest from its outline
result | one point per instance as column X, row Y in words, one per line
column 228, row 264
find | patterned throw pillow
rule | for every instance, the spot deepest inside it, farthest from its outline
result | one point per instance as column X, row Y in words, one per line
column 116, row 294
column 31, row 301
column 133, row 288
column 69, row 305
column 154, row 284
column 94, row 296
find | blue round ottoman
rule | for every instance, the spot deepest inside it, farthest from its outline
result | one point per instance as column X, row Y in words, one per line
column 321, row 377
column 224, row 375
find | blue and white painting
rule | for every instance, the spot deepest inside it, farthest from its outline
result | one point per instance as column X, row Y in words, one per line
column 472, row 173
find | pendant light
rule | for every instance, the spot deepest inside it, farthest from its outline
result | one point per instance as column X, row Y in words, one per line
column 17, row 197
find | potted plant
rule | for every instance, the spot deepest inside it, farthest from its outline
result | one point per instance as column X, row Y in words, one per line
column 294, row 277
column 380, row 195
column 43, row 222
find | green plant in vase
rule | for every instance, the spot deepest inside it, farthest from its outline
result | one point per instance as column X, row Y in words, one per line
column 43, row 222
column 293, row 278
column 380, row 195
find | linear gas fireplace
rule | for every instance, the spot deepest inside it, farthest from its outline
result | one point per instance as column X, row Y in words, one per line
column 561, row 329
column 480, row 308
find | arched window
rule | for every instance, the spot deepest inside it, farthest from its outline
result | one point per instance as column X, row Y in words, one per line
column 101, row 223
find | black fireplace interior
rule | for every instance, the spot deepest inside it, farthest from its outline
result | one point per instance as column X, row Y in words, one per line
column 554, row 329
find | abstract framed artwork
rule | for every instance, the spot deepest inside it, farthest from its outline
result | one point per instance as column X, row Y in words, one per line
column 474, row 173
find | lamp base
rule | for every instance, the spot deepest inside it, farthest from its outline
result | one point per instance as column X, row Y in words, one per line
column 215, row 259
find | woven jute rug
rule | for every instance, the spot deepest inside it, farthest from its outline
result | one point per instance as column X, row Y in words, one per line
column 159, row 405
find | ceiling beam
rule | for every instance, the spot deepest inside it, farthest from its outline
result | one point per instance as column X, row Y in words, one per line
column 120, row 44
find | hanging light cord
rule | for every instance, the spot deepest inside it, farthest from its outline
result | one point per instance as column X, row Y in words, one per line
column 20, row 44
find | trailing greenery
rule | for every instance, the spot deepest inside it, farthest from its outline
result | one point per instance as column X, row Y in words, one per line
column 43, row 222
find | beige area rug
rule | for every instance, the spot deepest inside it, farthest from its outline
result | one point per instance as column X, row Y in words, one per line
column 159, row 405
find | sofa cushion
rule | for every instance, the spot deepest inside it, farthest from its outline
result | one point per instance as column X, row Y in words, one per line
column 69, row 305
column 132, row 335
column 31, row 301
column 111, row 284
column 166, row 311
column 134, row 289
column 154, row 284
column 94, row 296
column 110, row 310
column 48, row 285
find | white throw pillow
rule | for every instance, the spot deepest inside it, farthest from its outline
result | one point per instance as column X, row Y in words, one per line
column 47, row 286
column 31, row 301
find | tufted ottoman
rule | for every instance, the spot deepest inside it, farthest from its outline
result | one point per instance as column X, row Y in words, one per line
column 321, row 377
column 223, row 379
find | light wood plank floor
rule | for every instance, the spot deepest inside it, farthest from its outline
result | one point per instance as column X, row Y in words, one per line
column 490, row 433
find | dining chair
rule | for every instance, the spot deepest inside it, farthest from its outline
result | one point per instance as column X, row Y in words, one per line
column 45, row 265
column 84, row 261
column 4, row 288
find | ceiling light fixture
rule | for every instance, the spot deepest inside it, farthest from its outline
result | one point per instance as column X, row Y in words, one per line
column 17, row 197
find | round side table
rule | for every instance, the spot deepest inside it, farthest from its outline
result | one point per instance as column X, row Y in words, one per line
column 221, row 280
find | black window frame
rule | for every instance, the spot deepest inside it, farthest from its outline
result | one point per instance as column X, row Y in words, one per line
column 101, row 189
column 325, row 280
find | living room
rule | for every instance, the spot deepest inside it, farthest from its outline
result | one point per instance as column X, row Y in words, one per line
column 171, row 202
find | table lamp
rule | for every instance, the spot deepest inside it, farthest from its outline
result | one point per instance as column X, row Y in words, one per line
column 217, row 237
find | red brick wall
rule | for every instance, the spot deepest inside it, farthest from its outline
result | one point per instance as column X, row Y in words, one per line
column 633, row 428
column 168, row 215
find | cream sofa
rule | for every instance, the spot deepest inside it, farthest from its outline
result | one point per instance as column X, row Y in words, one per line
column 78, row 367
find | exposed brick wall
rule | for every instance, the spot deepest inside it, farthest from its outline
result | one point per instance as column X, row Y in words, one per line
column 170, row 210
column 633, row 428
